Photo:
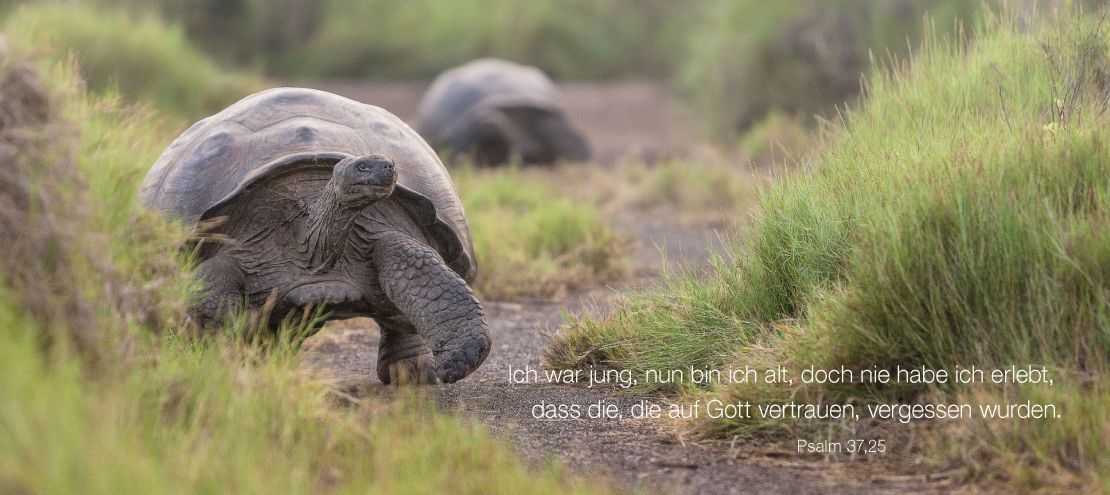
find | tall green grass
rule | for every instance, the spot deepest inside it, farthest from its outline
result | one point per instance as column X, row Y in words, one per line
column 137, row 56
column 132, row 407
column 957, row 217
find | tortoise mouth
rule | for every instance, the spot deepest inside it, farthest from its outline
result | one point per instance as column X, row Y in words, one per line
column 366, row 192
column 378, row 181
column 380, row 190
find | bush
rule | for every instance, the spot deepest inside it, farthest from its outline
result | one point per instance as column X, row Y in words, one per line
column 140, row 57
column 956, row 218
column 237, row 32
column 799, row 57
column 418, row 39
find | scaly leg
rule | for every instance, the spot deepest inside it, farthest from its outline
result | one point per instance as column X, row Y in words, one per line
column 437, row 303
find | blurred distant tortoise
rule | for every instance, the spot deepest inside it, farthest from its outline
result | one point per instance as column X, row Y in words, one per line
column 324, row 200
column 495, row 111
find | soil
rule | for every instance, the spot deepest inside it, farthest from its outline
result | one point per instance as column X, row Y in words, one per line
column 637, row 454
column 638, row 119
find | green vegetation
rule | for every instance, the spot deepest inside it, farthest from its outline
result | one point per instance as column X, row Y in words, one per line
column 704, row 190
column 140, row 57
column 587, row 39
column 102, row 395
column 958, row 217
column 420, row 38
column 533, row 242
column 687, row 188
column 778, row 138
column 539, row 235
column 800, row 57
column 737, row 59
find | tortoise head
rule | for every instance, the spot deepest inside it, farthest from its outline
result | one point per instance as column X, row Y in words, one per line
column 361, row 180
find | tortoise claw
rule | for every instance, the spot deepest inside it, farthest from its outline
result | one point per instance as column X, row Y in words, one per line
column 404, row 359
column 415, row 371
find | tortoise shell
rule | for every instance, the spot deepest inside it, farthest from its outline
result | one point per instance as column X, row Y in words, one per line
column 266, row 134
column 484, row 83
column 495, row 109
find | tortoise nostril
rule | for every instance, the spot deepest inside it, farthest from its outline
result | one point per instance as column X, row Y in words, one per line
column 385, row 166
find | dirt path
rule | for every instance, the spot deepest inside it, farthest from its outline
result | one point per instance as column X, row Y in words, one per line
column 623, row 119
column 635, row 453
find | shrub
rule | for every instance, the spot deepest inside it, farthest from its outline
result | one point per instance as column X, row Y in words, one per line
column 418, row 39
column 140, row 57
column 799, row 57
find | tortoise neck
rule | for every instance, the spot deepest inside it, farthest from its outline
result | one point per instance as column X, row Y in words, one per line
column 329, row 222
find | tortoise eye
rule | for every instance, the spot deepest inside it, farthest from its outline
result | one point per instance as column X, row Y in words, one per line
column 362, row 167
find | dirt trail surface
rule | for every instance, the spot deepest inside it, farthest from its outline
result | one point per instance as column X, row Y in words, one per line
column 622, row 119
column 635, row 453
column 638, row 454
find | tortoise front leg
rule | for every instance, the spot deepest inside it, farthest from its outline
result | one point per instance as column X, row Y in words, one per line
column 223, row 291
column 403, row 356
column 436, row 302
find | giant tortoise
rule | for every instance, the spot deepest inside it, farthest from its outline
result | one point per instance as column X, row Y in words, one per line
column 321, row 200
column 494, row 111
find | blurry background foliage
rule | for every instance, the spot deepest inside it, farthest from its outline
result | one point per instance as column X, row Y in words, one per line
column 800, row 57
column 138, row 56
column 736, row 60
column 417, row 39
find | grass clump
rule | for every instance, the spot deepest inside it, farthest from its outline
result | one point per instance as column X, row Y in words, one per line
column 675, row 325
column 706, row 190
column 99, row 393
column 958, row 217
column 533, row 242
column 688, row 188
column 778, row 139
column 138, row 56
